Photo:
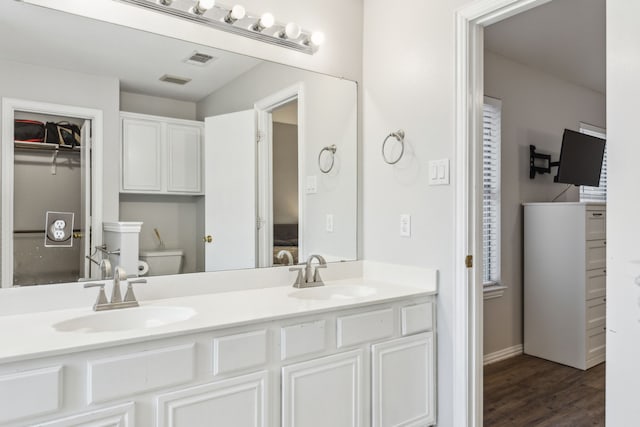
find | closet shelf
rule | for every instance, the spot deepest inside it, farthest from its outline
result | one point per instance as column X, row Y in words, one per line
column 46, row 147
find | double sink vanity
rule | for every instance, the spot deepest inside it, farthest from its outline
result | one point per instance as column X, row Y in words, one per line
column 235, row 348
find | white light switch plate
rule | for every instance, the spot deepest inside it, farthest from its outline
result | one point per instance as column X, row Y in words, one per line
column 439, row 172
column 405, row 225
column 312, row 184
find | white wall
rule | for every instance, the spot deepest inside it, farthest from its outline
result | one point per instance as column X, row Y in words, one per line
column 623, row 211
column 408, row 83
column 536, row 108
column 157, row 106
column 329, row 117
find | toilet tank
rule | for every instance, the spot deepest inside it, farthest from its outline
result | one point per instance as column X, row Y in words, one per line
column 163, row 262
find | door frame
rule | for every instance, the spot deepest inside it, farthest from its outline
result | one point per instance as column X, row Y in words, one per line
column 9, row 108
column 470, row 21
column 264, row 108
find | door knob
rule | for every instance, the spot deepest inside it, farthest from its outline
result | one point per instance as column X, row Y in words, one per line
column 207, row 238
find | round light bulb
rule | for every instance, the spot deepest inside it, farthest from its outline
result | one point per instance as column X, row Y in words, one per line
column 292, row 30
column 317, row 38
column 206, row 4
column 238, row 12
column 267, row 20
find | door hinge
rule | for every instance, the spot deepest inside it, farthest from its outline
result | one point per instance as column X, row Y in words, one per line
column 258, row 136
column 259, row 223
column 468, row 261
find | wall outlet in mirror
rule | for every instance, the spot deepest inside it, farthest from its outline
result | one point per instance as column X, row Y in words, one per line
column 58, row 230
column 329, row 225
column 312, row 184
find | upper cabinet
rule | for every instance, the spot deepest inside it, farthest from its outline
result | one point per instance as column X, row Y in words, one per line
column 161, row 155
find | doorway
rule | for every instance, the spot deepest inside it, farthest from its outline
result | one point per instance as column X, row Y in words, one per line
column 45, row 175
column 470, row 60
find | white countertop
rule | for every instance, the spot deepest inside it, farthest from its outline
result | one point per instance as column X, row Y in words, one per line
column 31, row 335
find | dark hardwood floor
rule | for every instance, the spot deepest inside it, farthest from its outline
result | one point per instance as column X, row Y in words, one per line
column 526, row 391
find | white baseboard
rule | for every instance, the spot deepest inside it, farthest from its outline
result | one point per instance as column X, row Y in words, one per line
column 503, row 354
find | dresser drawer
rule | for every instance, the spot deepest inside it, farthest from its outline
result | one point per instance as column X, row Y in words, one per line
column 596, row 313
column 240, row 351
column 417, row 318
column 596, row 254
column 596, row 343
column 364, row 327
column 596, row 222
column 596, row 283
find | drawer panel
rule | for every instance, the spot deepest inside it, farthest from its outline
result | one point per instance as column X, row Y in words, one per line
column 596, row 313
column 596, row 254
column 596, row 343
column 596, row 283
column 140, row 372
column 417, row 318
column 596, row 224
column 241, row 351
column 365, row 327
column 30, row 393
column 302, row 339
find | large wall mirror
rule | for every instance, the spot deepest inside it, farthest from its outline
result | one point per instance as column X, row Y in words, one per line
column 228, row 161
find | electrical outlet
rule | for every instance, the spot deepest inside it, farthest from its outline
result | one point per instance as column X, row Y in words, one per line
column 329, row 225
column 405, row 225
column 58, row 229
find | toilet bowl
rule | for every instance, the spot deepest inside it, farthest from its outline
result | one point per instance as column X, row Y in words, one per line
column 162, row 262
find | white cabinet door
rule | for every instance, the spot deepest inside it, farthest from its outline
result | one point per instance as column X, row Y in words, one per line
column 141, row 155
column 402, row 384
column 323, row 392
column 184, row 158
column 237, row 402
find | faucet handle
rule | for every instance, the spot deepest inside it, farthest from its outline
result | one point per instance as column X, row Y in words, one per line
column 316, row 273
column 130, row 296
column 299, row 283
column 102, row 297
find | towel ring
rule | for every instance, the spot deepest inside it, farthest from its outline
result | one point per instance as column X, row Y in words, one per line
column 399, row 136
column 332, row 149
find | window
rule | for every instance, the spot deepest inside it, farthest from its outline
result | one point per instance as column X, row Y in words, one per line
column 595, row 194
column 491, row 114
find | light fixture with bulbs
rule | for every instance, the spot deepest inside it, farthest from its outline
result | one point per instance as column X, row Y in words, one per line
column 237, row 21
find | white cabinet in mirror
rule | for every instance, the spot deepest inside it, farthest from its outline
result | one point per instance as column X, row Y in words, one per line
column 215, row 150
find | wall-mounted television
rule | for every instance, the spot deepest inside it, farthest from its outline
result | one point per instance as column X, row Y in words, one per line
column 580, row 159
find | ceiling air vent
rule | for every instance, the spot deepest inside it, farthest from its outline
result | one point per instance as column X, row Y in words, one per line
column 175, row 79
column 199, row 58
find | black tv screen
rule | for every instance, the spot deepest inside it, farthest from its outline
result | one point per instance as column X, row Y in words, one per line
column 580, row 159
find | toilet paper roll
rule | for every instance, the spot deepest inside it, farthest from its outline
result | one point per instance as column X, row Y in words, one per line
column 143, row 268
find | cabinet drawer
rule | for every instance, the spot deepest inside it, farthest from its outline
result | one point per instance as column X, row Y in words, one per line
column 417, row 318
column 365, row 327
column 596, row 343
column 596, row 254
column 241, row 351
column 30, row 393
column 302, row 339
column 596, row 224
column 596, row 313
column 140, row 372
column 596, row 283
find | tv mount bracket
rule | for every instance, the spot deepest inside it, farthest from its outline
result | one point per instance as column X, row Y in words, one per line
column 546, row 159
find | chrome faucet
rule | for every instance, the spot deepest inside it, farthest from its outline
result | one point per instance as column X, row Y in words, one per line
column 102, row 303
column 310, row 277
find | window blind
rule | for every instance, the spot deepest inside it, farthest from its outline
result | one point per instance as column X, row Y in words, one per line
column 595, row 194
column 491, row 118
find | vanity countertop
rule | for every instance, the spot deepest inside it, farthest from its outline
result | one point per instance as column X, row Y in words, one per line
column 28, row 336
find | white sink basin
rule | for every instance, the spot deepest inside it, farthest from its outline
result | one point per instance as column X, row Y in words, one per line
column 125, row 319
column 336, row 292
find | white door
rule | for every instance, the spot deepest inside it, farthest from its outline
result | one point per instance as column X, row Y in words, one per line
column 84, row 222
column 230, row 191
